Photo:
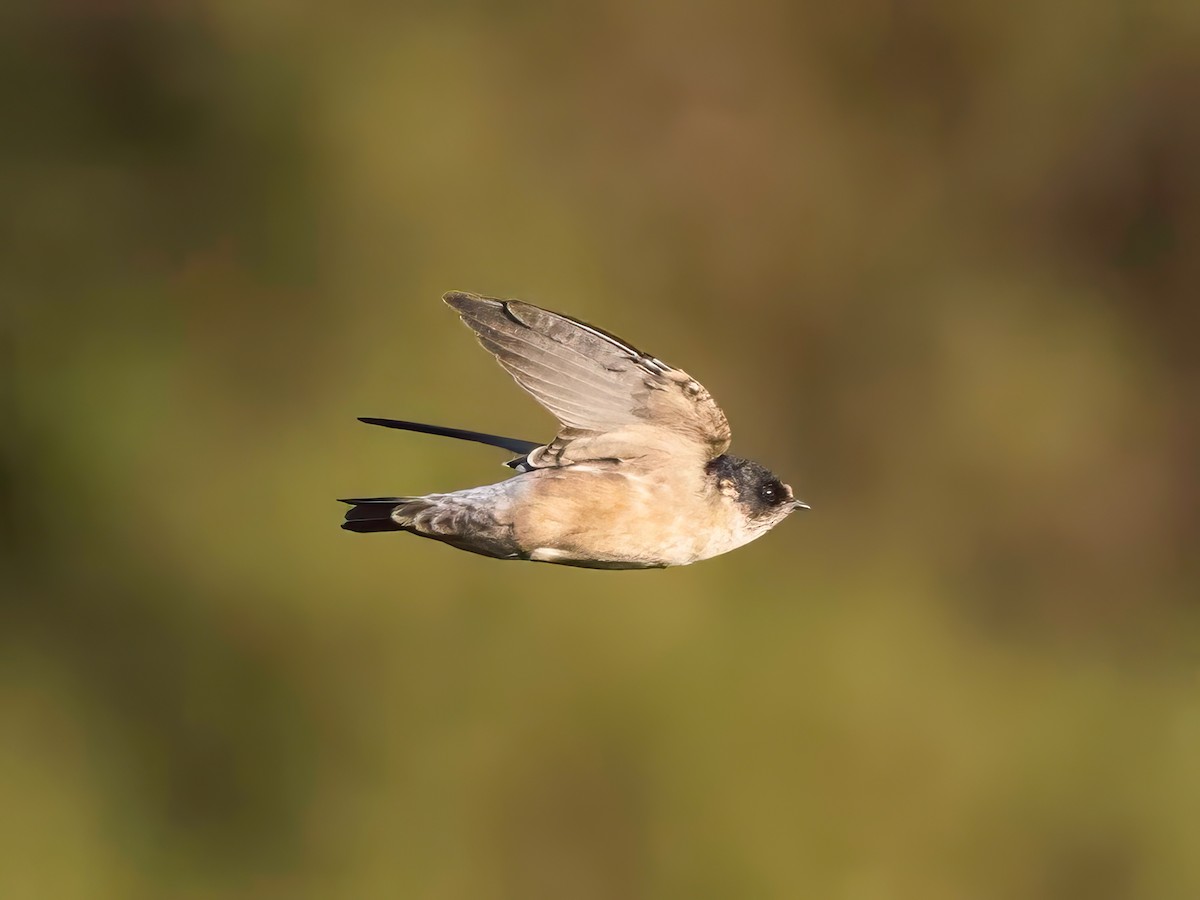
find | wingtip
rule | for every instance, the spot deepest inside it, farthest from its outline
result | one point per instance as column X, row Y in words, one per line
column 461, row 299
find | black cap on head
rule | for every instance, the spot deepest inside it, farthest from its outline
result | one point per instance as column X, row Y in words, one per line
column 757, row 487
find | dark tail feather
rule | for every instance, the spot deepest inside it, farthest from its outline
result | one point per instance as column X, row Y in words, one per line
column 369, row 514
column 511, row 444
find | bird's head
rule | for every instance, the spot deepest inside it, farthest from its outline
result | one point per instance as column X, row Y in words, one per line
column 760, row 496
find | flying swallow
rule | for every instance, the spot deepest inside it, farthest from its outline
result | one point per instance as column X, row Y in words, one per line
column 637, row 476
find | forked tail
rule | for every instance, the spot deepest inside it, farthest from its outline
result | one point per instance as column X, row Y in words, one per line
column 368, row 514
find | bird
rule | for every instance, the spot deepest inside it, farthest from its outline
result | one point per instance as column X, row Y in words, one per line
column 637, row 476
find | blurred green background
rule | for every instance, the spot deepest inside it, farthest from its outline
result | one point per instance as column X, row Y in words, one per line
column 937, row 261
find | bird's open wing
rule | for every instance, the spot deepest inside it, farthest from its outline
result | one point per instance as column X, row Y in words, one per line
column 614, row 402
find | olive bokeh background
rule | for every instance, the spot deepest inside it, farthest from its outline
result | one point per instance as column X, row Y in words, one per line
column 938, row 263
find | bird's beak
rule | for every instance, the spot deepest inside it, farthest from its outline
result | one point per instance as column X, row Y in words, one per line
column 800, row 504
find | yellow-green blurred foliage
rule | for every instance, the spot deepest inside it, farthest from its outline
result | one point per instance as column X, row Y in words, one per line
column 937, row 260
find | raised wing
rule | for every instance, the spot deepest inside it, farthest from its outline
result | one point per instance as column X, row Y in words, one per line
column 614, row 402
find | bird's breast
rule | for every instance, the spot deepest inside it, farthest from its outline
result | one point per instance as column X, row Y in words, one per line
column 620, row 513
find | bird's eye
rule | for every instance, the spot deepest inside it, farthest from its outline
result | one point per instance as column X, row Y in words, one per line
column 769, row 493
